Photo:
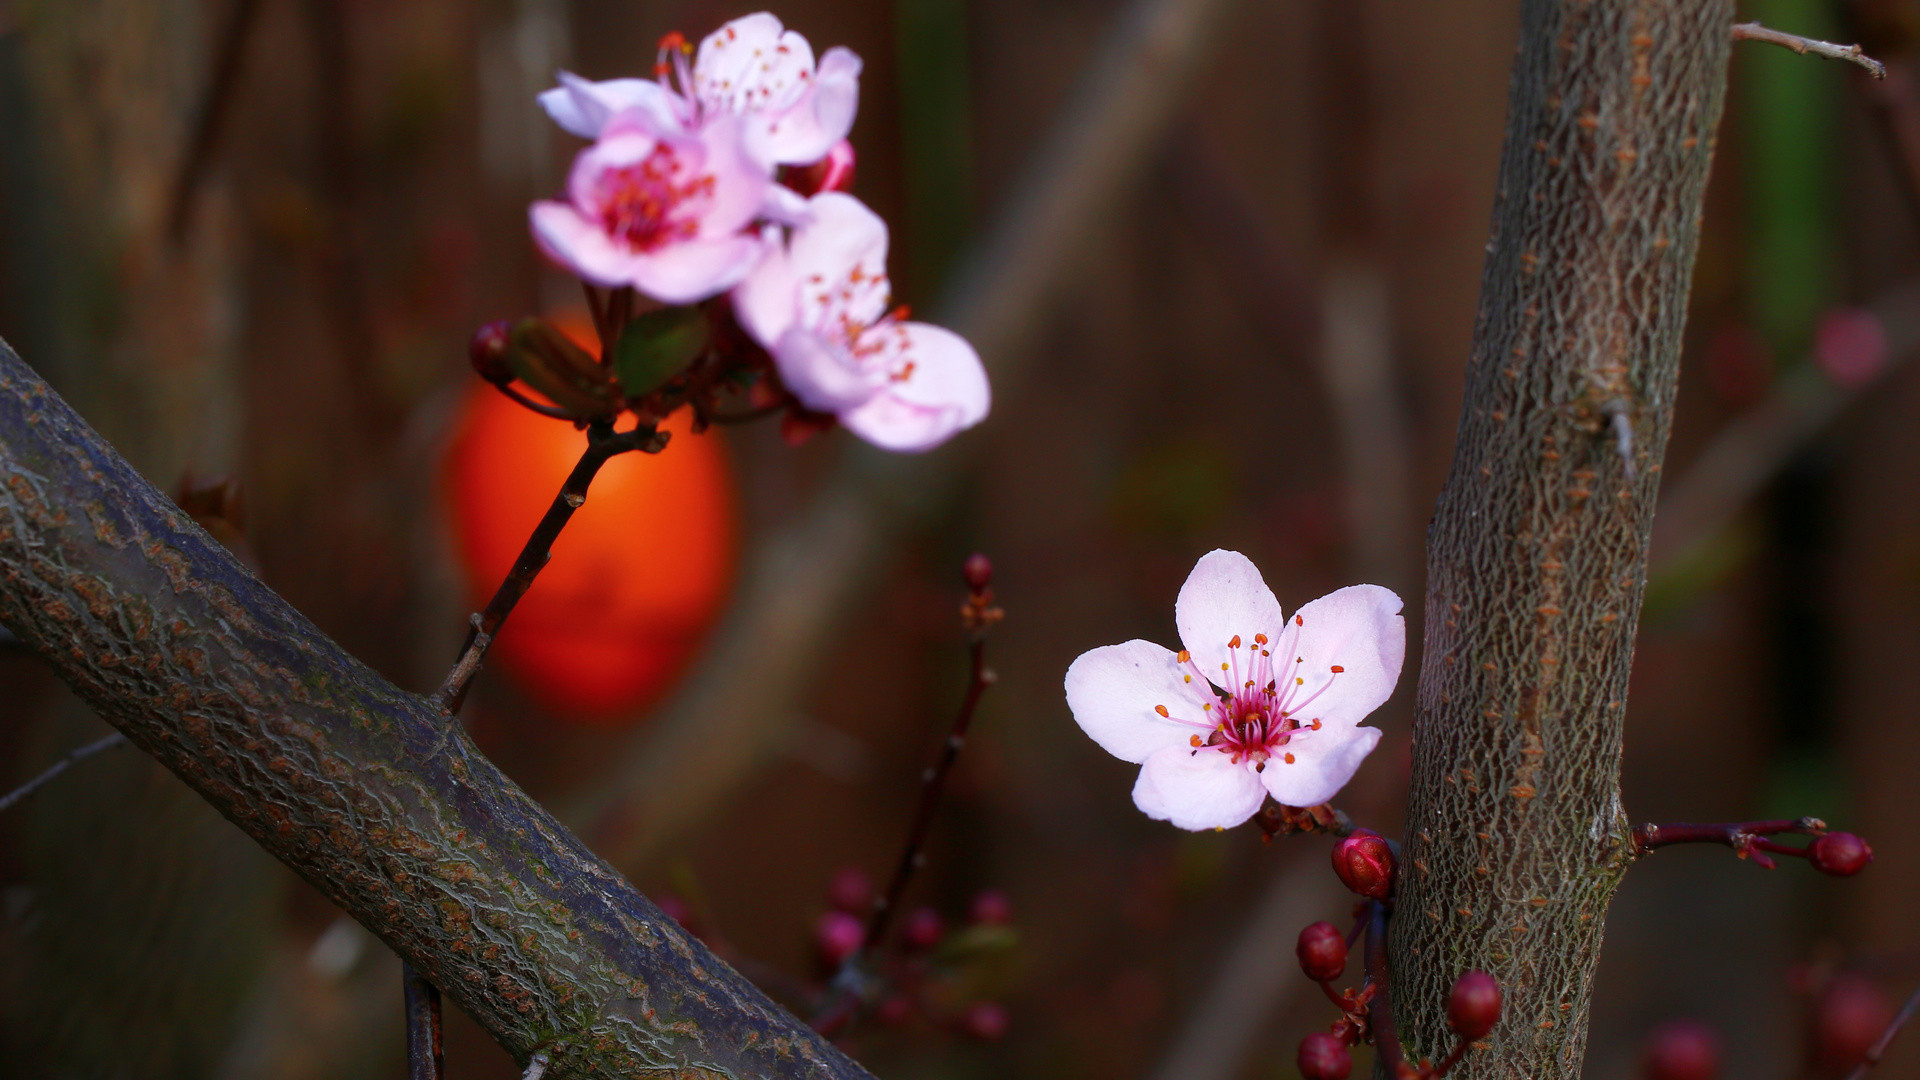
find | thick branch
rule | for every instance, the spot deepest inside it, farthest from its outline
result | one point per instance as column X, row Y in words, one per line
column 362, row 788
column 1537, row 553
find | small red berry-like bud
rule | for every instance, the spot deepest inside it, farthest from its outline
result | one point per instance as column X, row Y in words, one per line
column 1365, row 863
column 837, row 936
column 923, row 929
column 986, row 1021
column 991, row 908
column 978, row 571
column 1474, row 1005
column 1841, row 854
column 851, row 890
column 487, row 352
column 1322, row 952
column 1848, row 1020
column 1681, row 1050
column 1323, row 1057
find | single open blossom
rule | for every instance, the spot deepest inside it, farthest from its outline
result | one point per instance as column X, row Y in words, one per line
column 820, row 306
column 660, row 207
column 792, row 112
column 1257, row 704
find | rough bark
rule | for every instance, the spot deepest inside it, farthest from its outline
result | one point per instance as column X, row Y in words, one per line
column 362, row 788
column 1536, row 559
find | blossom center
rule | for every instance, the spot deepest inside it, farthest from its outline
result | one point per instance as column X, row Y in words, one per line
column 654, row 201
column 1258, row 704
column 877, row 346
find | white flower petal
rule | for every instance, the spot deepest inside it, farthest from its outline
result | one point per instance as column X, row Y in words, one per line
column 802, row 132
column 693, row 270
column 1197, row 789
column 1223, row 598
column 584, row 107
column 821, row 372
column 1323, row 762
column 944, row 392
column 1112, row 691
column 840, row 259
column 1358, row 629
column 768, row 301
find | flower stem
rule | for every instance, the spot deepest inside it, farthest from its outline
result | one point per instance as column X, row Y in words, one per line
column 603, row 444
column 843, row 999
column 1380, row 1010
column 1744, row 837
column 424, row 1059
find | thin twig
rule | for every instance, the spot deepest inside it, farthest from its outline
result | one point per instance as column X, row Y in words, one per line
column 980, row 615
column 20, row 793
column 1386, row 1041
column 1880, row 1045
column 424, row 1058
column 1852, row 54
column 603, row 443
column 1746, row 838
column 536, row 1067
column 211, row 117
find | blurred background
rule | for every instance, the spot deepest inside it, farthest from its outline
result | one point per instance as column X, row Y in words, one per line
column 1222, row 259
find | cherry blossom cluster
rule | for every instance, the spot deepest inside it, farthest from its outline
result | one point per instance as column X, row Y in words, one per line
column 721, row 182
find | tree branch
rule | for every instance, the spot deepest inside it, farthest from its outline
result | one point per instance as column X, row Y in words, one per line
column 1852, row 54
column 1880, row 1045
column 360, row 787
column 1537, row 552
column 73, row 758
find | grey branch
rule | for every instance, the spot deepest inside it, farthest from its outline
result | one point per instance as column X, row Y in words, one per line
column 357, row 785
column 1852, row 54
column 20, row 793
column 536, row 1067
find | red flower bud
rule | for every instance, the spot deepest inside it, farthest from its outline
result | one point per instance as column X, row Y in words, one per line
column 1840, row 854
column 834, row 172
column 1848, row 1020
column 837, row 936
column 1474, row 1005
column 986, row 1021
column 487, row 352
column 923, row 929
column 1322, row 952
column 991, row 908
column 851, row 891
column 1323, row 1057
column 1365, row 863
column 1681, row 1050
column 978, row 571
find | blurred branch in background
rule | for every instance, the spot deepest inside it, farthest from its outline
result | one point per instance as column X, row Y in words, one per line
column 1753, row 447
column 798, row 586
column 75, row 757
column 211, row 117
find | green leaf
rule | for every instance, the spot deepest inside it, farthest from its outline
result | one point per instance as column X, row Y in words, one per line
column 562, row 372
column 655, row 346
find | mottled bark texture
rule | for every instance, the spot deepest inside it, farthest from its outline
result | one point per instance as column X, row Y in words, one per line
column 361, row 787
column 1536, row 559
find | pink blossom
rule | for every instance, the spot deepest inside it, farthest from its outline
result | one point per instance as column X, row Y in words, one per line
column 820, row 306
column 660, row 207
column 1256, row 704
column 792, row 111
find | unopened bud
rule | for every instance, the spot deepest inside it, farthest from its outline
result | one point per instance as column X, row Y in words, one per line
column 1324, row 1057
column 851, row 890
column 978, row 571
column 1365, row 864
column 837, row 936
column 986, row 1021
column 1474, row 1005
column 1681, row 1050
column 991, row 908
column 1848, row 1020
column 487, row 352
column 1840, row 854
column 924, row 929
column 1322, row 952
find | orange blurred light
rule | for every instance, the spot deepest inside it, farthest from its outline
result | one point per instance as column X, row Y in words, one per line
column 637, row 577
